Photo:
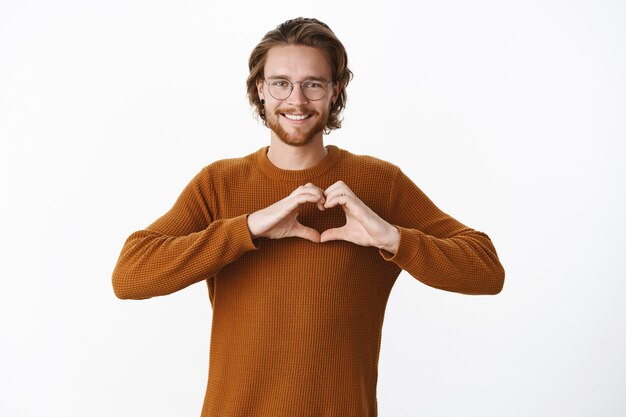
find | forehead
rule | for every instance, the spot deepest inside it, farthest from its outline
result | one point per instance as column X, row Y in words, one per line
column 297, row 62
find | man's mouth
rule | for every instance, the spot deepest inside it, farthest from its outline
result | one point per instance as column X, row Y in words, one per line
column 296, row 117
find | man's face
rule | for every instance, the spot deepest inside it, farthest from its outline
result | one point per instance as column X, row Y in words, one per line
column 297, row 63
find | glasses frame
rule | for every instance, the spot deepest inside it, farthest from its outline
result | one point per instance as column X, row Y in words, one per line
column 326, row 83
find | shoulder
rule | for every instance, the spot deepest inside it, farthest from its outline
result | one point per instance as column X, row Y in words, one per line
column 222, row 174
column 368, row 164
column 231, row 165
column 239, row 167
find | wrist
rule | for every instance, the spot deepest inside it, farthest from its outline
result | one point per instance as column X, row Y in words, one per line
column 393, row 240
column 252, row 234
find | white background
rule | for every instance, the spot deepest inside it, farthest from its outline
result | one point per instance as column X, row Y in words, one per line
column 509, row 115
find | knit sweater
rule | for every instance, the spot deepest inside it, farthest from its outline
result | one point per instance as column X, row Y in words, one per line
column 296, row 325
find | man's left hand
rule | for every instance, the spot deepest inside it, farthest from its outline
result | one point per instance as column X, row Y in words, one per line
column 363, row 226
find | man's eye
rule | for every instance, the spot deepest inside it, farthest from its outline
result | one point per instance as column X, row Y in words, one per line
column 280, row 83
column 312, row 84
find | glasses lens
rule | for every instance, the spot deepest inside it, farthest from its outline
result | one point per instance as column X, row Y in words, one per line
column 313, row 90
column 280, row 89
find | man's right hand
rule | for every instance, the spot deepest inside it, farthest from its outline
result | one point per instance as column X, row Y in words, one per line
column 281, row 218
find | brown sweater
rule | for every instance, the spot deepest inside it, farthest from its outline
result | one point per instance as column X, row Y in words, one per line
column 297, row 325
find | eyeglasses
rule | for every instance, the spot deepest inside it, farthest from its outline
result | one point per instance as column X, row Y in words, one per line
column 313, row 90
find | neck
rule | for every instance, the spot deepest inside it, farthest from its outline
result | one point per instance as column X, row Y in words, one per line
column 292, row 157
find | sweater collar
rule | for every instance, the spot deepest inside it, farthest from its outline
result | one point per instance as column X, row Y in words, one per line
column 272, row 171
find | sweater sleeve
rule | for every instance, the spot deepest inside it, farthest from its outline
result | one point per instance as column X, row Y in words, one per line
column 184, row 246
column 438, row 250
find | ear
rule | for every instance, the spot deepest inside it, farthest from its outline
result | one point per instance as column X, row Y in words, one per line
column 259, row 88
column 336, row 90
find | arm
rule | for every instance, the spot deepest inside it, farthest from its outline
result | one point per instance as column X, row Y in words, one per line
column 182, row 247
column 437, row 249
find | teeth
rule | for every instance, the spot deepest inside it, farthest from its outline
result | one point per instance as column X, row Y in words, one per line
column 296, row 117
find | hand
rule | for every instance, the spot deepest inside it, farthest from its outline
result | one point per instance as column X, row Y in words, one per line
column 280, row 219
column 363, row 226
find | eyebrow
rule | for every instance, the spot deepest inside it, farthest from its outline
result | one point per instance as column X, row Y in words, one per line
column 284, row 77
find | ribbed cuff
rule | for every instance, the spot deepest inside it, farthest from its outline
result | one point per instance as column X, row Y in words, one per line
column 239, row 232
column 408, row 248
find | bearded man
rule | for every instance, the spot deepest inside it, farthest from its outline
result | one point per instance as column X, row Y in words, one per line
column 300, row 244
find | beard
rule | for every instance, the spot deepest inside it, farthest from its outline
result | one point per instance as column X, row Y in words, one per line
column 300, row 135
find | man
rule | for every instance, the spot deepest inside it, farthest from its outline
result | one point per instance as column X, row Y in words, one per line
column 300, row 245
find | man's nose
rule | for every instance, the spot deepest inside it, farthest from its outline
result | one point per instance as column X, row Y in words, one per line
column 297, row 96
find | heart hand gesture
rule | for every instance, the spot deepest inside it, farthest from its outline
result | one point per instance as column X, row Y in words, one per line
column 363, row 226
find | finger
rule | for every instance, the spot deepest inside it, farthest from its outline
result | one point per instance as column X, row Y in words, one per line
column 309, row 189
column 332, row 201
column 333, row 234
column 337, row 185
column 313, row 189
column 305, row 232
column 338, row 189
column 300, row 199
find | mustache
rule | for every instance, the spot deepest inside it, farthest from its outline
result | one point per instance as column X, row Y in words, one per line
column 298, row 110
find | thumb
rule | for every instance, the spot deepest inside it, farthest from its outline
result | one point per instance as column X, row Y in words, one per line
column 332, row 234
column 299, row 230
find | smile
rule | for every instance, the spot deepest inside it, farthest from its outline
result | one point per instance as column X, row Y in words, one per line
column 296, row 116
